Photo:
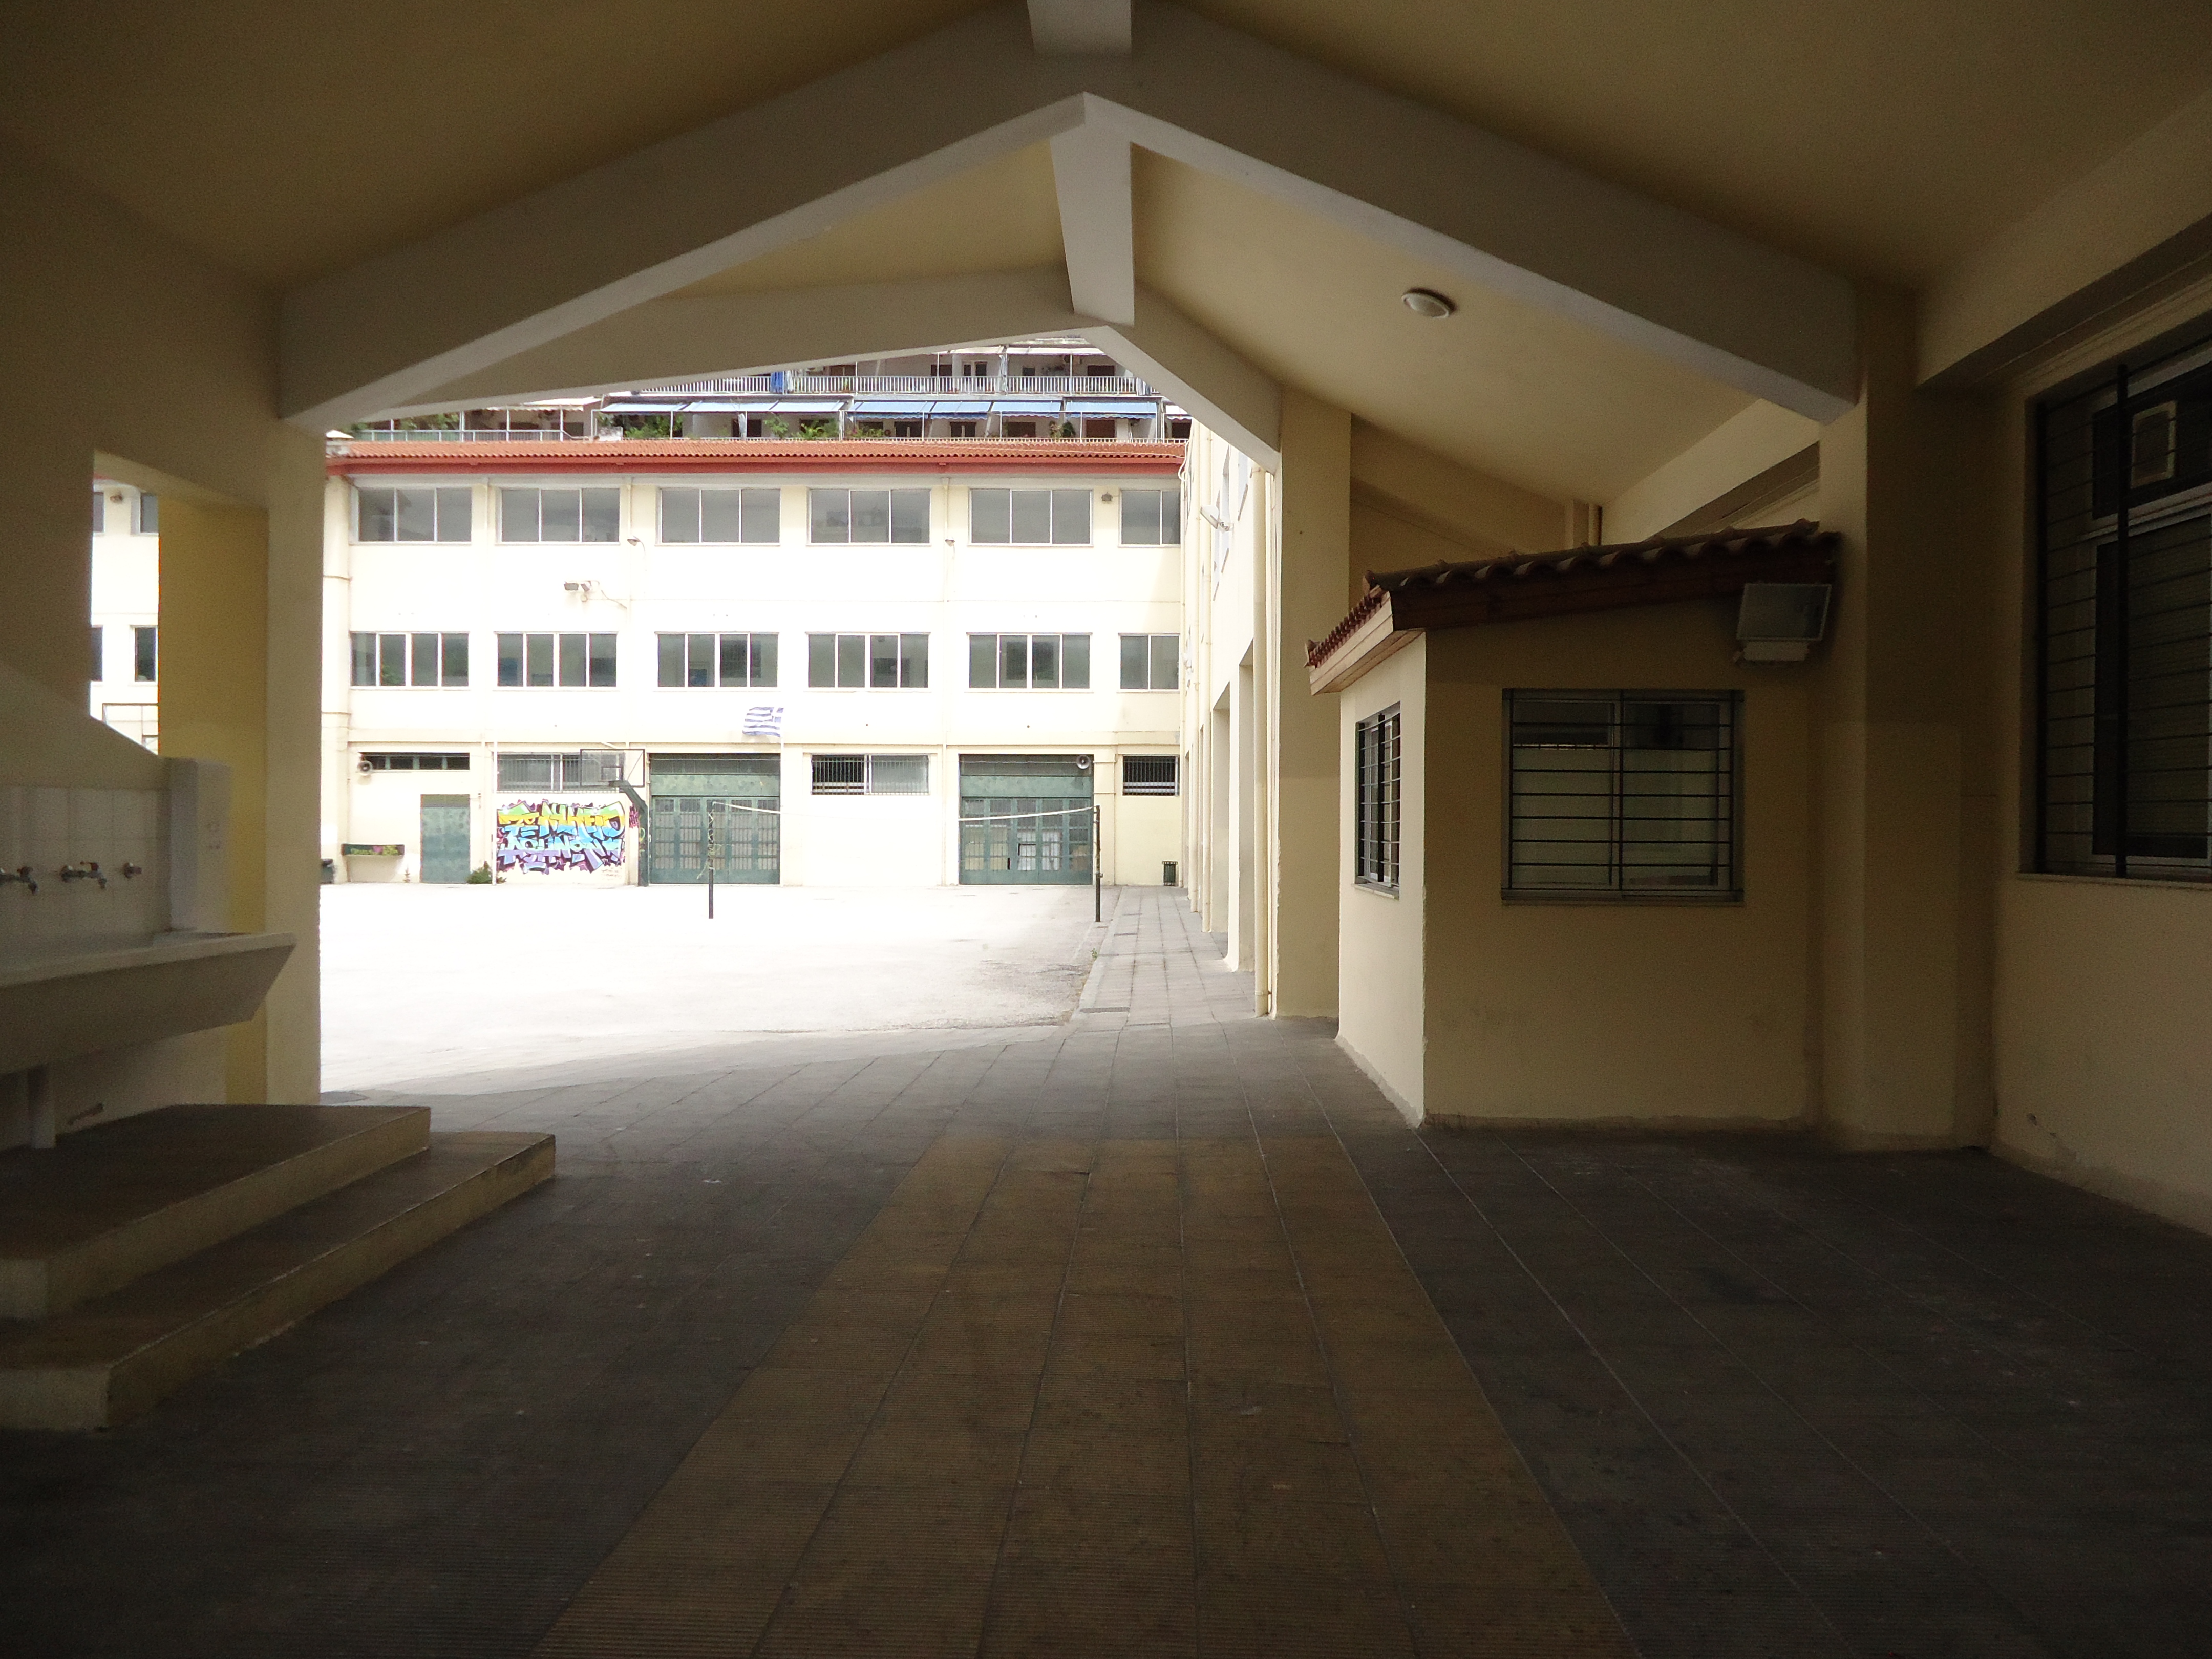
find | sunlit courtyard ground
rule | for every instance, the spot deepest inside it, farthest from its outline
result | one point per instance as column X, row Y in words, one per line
column 444, row 987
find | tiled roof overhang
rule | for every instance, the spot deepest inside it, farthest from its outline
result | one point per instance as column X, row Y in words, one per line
column 1400, row 606
column 364, row 457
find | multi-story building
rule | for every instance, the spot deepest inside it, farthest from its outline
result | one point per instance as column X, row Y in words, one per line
column 813, row 662
column 127, row 585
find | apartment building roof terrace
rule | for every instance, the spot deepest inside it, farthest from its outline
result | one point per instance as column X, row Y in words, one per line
column 349, row 457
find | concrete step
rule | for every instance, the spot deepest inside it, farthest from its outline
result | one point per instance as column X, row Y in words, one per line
column 111, row 1203
column 113, row 1356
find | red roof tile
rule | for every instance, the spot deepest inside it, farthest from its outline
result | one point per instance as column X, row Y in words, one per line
column 363, row 455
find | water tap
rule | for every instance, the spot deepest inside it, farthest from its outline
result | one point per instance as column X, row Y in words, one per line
column 85, row 870
column 22, row 873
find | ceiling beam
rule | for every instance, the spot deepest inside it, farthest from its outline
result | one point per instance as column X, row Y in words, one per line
column 382, row 334
column 1080, row 28
column 1090, row 175
column 1219, row 386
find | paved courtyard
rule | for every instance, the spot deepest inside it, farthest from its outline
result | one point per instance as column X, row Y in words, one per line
column 1155, row 1331
column 450, row 987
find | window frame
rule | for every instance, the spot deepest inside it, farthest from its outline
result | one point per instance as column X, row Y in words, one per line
column 502, row 495
column 596, row 648
column 894, row 497
column 759, row 649
column 407, row 647
column 1055, row 496
column 759, row 506
column 1154, row 644
column 445, row 499
column 864, row 651
column 1726, row 844
column 1378, row 800
column 821, row 766
column 1170, row 524
column 387, row 760
column 997, row 649
column 1170, row 786
column 145, row 654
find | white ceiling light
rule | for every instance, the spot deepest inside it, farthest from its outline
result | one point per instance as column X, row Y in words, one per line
column 1427, row 302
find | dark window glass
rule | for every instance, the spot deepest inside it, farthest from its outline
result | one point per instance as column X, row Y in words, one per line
column 735, row 669
column 831, row 512
column 1136, row 657
column 391, row 660
column 602, row 514
column 364, row 659
column 1164, row 655
column 98, row 655
column 910, row 515
column 671, row 654
column 764, row 659
column 540, row 658
column 821, row 659
column 559, row 515
column 914, row 660
column 1075, row 661
column 852, row 659
column 1013, row 660
column 422, row 667
column 983, row 661
column 1044, row 661
column 884, row 659
column 145, row 654
column 603, row 659
column 98, row 516
column 379, row 518
column 510, row 658
column 418, row 515
column 573, row 659
column 456, row 653
column 150, row 513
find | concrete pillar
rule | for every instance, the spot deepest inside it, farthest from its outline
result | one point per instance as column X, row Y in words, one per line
column 45, row 551
column 1308, row 579
column 1906, row 801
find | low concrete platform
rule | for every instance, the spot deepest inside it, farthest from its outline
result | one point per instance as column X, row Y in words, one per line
column 110, row 1203
column 112, row 1355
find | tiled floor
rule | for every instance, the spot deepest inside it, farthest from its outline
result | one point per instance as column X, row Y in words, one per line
column 1112, row 1337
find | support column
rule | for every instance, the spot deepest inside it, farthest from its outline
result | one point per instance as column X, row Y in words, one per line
column 1307, row 579
column 1906, row 807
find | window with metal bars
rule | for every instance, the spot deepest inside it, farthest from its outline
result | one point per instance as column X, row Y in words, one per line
column 1622, row 795
column 1375, row 815
column 1149, row 774
column 591, row 768
column 2123, row 661
column 871, row 775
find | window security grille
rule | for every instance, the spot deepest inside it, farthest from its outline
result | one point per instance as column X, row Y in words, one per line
column 1625, row 794
column 1029, row 518
column 1152, row 517
column 709, row 659
column 2125, row 658
column 839, row 516
column 416, row 762
column 722, row 515
column 1149, row 661
column 591, row 769
column 871, row 775
column 570, row 660
column 879, row 661
column 385, row 514
column 410, row 659
column 145, row 654
column 559, row 515
column 1149, row 774
column 1031, row 661
column 1376, row 801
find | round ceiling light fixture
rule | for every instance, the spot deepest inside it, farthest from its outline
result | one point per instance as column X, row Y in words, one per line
column 1427, row 302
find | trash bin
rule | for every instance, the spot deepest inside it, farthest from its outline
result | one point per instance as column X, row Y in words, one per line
column 1167, row 873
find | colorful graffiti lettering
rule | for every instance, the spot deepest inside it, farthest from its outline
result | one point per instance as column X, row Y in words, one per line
column 550, row 837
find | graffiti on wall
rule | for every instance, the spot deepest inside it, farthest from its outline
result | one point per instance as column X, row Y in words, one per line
column 544, row 836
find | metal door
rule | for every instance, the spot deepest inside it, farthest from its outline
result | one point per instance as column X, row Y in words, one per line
column 445, row 838
column 717, row 810
column 1025, row 820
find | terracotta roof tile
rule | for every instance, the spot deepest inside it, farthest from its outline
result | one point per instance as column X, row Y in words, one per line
column 365, row 455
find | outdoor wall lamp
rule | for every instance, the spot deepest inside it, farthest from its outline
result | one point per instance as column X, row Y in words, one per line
column 1780, row 622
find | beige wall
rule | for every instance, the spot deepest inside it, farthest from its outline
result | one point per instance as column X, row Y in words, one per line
column 1601, row 1012
column 1380, row 1013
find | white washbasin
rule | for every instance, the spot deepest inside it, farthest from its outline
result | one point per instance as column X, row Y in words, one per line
column 58, row 1003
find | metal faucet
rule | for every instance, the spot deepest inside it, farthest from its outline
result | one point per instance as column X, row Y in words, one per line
column 22, row 873
column 85, row 870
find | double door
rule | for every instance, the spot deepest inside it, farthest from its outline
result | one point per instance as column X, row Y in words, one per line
column 717, row 813
column 1026, row 821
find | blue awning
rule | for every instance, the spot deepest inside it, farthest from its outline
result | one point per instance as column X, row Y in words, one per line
column 959, row 406
column 1025, row 405
column 1129, row 408
column 799, row 406
column 890, row 406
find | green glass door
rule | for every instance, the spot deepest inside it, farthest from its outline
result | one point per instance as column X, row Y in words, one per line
column 716, row 813
column 445, row 838
column 1025, row 820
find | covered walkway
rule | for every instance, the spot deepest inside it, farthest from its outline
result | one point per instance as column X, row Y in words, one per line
column 1158, row 1331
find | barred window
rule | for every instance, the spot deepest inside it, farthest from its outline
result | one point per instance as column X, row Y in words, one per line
column 559, row 515
column 1149, row 774
column 590, row 768
column 710, row 660
column 416, row 762
column 1622, row 795
column 1375, row 799
column 1030, row 518
column 871, row 775
column 1031, row 661
column 391, row 514
column 410, row 659
column 2124, row 657
column 722, row 515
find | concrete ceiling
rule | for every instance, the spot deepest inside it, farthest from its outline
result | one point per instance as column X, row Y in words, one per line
column 1524, row 394
column 1884, row 136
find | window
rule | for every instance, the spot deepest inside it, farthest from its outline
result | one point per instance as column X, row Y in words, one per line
column 411, row 660
column 559, row 515
column 149, row 513
column 593, row 768
column 722, row 515
column 1622, row 795
column 963, row 429
column 383, row 514
column 1149, row 661
column 98, row 653
column 539, row 660
column 1149, row 774
column 1152, row 517
column 871, row 775
column 1375, row 800
column 705, row 660
column 1030, row 518
column 99, row 510
column 416, row 762
column 1031, row 661
column 868, row 515
column 2124, row 656
column 882, row 661
column 145, row 654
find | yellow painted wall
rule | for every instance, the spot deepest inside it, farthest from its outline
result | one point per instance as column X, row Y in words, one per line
column 1379, row 1006
column 1600, row 1011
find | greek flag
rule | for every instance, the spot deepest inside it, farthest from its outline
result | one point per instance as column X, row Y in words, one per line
column 764, row 720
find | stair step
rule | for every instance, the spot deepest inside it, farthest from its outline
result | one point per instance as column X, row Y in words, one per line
column 111, row 1203
column 111, row 1358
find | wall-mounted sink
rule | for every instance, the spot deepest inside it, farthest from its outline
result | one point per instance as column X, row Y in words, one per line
column 60, row 1004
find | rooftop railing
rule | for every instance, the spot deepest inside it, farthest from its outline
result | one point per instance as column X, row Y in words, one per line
column 914, row 386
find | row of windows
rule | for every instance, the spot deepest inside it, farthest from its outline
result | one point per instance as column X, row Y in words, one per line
column 835, row 517
column 145, row 516
column 833, row 661
column 831, row 775
column 145, row 654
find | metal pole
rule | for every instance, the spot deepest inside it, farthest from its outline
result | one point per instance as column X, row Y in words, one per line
column 710, row 866
column 1097, row 871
